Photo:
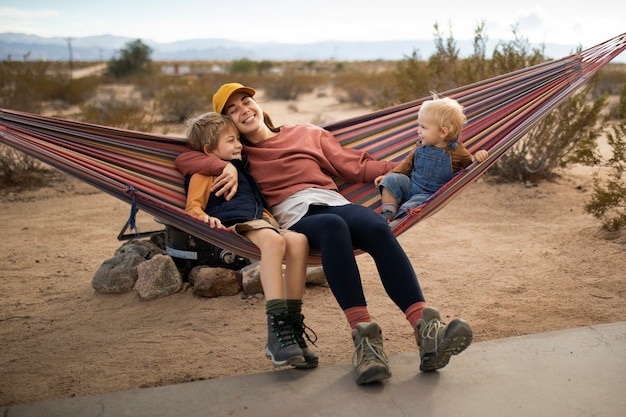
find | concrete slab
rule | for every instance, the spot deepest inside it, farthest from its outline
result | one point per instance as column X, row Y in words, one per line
column 568, row 373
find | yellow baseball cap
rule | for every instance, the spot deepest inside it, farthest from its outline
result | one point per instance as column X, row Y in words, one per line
column 225, row 91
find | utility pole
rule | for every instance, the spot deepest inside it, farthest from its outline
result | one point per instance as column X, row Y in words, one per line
column 69, row 45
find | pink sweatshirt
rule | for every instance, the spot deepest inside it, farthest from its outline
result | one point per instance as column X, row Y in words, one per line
column 298, row 157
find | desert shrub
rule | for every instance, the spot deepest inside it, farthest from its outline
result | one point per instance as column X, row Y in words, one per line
column 23, row 85
column 608, row 201
column 180, row 100
column 609, row 80
column 78, row 90
column 288, row 86
column 265, row 66
column 361, row 88
column 444, row 65
column 17, row 168
column 121, row 113
column 26, row 85
column 476, row 66
column 567, row 134
column 515, row 54
column 243, row 66
column 410, row 80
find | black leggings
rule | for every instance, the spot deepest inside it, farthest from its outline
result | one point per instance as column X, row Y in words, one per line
column 337, row 231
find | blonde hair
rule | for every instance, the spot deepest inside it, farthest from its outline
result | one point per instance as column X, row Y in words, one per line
column 445, row 112
column 206, row 129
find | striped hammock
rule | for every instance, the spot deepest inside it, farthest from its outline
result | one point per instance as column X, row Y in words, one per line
column 138, row 167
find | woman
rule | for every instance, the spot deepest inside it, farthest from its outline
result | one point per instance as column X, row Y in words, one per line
column 294, row 166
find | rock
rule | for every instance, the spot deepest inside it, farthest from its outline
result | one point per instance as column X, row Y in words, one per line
column 251, row 278
column 117, row 275
column 214, row 282
column 157, row 278
column 145, row 248
column 315, row 275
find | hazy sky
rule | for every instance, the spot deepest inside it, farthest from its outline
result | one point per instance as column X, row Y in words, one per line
column 551, row 21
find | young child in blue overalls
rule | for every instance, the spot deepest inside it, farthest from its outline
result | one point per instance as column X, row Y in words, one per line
column 438, row 156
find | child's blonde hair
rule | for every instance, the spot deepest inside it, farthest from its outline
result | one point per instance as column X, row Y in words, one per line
column 445, row 112
column 206, row 129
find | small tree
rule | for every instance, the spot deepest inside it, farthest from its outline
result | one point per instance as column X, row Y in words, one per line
column 133, row 59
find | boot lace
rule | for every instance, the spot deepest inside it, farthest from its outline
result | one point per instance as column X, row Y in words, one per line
column 368, row 351
column 284, row 330
column 301, row 330
column 431, row 332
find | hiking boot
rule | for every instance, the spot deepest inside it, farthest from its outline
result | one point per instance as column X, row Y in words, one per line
column 438, row 342
column 369, row 358
column 300, row 329
column 282, row 346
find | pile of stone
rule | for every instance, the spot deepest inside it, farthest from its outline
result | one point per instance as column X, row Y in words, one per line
column 144, row 266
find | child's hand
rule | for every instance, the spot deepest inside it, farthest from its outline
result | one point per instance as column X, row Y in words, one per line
column 481, row 155
column 214, row 222
column 378, row 180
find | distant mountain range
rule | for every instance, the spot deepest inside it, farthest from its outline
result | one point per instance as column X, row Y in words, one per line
column 18, row 47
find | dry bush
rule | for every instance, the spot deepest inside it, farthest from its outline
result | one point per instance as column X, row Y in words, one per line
column 123, row 113
column 363, row 89
column 181, row 100
column 18, row 169
column 608, row 201
column 289, row 86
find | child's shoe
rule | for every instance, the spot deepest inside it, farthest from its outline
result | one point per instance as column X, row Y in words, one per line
column 282, row 346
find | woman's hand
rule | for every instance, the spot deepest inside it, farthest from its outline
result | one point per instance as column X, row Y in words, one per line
column 226, row 183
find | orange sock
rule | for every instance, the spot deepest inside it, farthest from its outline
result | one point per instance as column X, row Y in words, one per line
column 414, row 312
column 356, row 315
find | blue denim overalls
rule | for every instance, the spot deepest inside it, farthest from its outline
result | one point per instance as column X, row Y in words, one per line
column 432, row 168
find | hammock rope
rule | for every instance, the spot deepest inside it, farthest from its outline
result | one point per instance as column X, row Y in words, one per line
column 138, row 167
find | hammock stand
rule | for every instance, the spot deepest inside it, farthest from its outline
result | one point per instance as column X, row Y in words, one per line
column 138, row 167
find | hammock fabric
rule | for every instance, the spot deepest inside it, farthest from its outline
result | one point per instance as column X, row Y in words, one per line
column 138, row 167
